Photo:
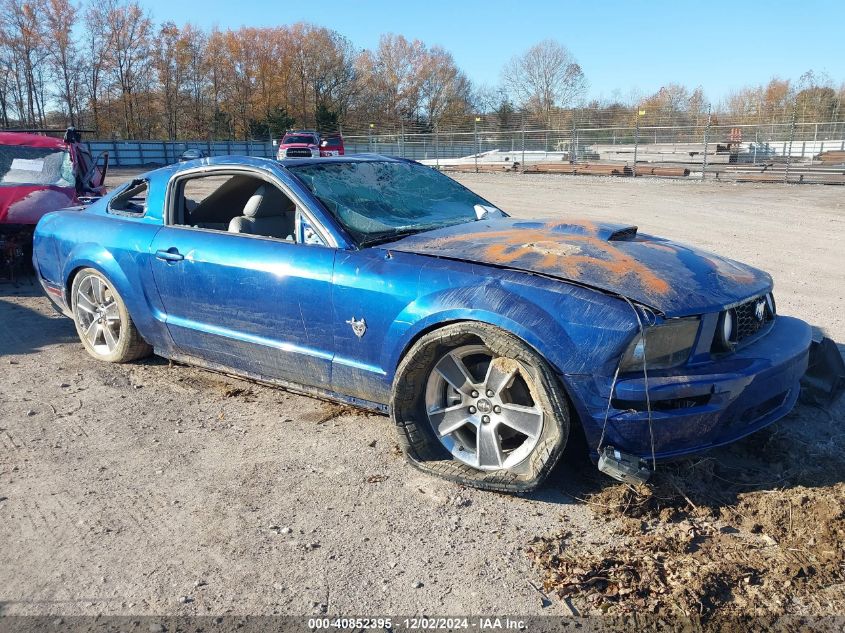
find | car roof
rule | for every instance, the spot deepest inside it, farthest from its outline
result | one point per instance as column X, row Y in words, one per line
column 28, row 139
column 265, row 163
column 349, row 158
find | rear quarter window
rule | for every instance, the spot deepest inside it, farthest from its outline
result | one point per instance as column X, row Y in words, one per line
column 131, row 201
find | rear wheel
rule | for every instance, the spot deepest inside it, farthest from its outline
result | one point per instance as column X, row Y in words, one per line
column 476, row 405
column 102, row 321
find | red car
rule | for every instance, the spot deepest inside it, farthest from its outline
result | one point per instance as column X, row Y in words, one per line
column 332, row 145
column 39, row 174
column 299, row 144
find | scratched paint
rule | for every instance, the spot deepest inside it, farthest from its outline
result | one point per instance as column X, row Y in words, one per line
column 671, row 277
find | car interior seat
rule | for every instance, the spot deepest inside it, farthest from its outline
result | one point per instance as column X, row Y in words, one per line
column 268, row 212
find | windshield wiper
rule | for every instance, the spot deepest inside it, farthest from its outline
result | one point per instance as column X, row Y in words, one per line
column 390, row 236
column 404, row 231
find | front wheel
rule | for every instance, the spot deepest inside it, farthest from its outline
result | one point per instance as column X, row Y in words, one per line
column 476, row 405
column 102, row 321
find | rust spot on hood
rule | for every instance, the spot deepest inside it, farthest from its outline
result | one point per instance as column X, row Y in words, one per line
column 673, row 278
column 577, row 252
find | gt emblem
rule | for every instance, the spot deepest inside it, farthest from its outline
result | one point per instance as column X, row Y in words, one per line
column 760, row 310
column 358, row 327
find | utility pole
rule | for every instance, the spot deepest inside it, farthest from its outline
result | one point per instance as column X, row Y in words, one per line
column 706, row 134
column 637, row 138
column 791, row 139
column 522, row 164
column 475, row 136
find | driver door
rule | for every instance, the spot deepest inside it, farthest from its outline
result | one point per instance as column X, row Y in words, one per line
column 257, row 304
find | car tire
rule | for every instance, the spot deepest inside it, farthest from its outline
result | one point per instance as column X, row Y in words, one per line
column 102, row 321
column 437, row 421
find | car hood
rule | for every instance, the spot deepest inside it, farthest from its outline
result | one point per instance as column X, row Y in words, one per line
column 298, row 145
column 25, row 204
column 675, row 279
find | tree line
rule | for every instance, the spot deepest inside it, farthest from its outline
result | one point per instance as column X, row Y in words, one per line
column 109, row 67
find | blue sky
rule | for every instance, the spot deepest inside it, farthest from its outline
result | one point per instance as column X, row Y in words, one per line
column 641, row 45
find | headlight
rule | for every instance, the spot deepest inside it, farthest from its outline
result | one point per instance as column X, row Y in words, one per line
column 666, row 345
column 725, row 338
column 770, row 303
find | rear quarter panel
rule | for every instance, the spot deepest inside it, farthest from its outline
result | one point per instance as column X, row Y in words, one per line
column 69, row 240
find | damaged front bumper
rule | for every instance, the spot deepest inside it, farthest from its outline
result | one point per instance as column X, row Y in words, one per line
column 699, row 407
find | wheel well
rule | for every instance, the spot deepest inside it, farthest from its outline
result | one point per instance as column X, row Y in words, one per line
column 440, row 324
column 423, row 332
column 69, row 283
column 574, row 416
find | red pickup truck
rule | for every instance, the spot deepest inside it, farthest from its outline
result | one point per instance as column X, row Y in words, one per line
column 299, row 144
column 309, row 144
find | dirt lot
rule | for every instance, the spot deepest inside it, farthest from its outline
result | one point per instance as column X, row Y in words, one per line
column 146, row 488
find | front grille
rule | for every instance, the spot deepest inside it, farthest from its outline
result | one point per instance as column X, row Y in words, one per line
column 751, row 317
column 298, row 152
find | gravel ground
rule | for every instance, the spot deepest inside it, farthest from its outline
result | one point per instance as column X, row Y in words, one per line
column 151, row 489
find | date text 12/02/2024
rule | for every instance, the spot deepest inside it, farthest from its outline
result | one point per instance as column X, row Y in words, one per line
column 417, row 624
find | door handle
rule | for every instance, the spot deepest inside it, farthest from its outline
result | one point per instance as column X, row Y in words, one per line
column 170, row 255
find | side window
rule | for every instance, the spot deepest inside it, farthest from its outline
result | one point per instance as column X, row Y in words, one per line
column 132, row 200
column 242, row 204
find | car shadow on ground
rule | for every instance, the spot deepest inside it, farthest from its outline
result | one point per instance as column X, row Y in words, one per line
column 27, row 331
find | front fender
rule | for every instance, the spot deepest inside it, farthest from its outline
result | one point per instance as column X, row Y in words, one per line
column 575, row 329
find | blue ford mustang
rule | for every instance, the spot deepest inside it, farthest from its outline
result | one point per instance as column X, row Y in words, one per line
column 385, row 284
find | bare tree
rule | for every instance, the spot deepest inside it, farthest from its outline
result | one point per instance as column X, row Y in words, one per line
column 393, row 77
column 333, row 77
column 23, row 34
column 128, row 30
column 195, row 46
column 94, row 61
column 170, row 61
column 544, row 77
column 444, row 89
column 119, row 72
column 60, row 17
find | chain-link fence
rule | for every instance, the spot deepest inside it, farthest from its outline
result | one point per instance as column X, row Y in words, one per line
column 641, row 141
column 686, row 143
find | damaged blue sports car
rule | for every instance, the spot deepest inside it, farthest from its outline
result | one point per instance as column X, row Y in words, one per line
column 385, row 284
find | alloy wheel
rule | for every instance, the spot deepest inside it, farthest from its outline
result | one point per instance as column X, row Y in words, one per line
column 481, row 408
column 98, row 315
